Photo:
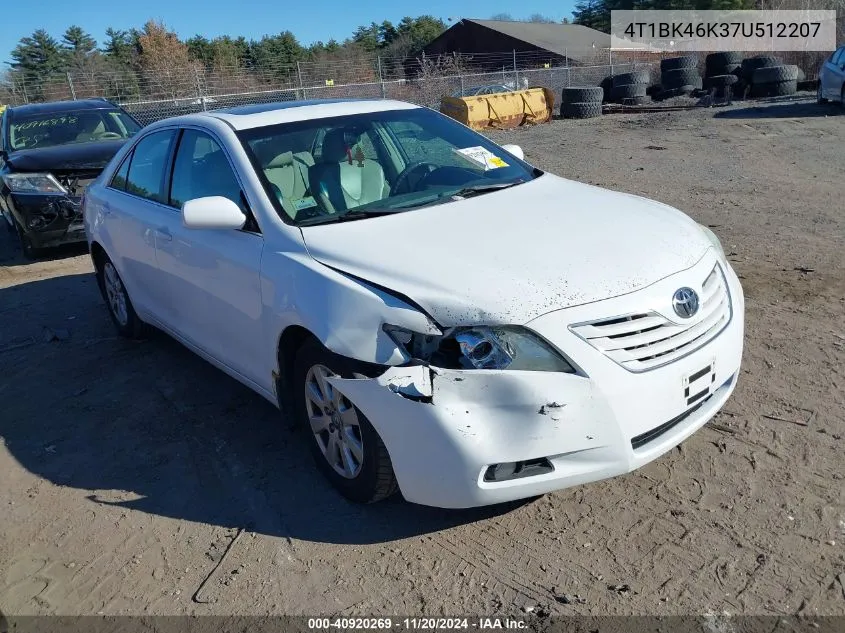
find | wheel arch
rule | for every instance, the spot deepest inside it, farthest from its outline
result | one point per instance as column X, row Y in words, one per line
column 289, row 341
column 97, row 253
column 98, row 256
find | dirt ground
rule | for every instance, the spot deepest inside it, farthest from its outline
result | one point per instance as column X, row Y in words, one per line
column 129, row 471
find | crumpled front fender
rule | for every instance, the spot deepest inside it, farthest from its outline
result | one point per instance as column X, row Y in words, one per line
column 443, row 428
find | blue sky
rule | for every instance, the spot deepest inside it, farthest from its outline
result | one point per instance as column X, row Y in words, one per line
column 329, row 18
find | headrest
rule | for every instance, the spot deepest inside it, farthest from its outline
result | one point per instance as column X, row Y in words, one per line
column 334, row 147
column 282, row 160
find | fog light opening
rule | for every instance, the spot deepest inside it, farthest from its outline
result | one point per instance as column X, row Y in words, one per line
column 518, row 470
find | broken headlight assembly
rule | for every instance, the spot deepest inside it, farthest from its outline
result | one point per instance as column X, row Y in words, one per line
column 481, row 347
column 33, row 183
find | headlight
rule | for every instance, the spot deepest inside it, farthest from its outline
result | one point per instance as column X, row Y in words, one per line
column 714, row 241
column 33, row 183
column 481, row 347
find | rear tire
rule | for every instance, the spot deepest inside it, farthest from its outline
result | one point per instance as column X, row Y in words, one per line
column 345, row 446
column 120, row 307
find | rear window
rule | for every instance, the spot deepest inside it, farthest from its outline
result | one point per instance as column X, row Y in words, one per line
column 62, row 128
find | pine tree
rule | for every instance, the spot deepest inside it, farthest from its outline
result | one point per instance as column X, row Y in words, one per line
column 36, row 59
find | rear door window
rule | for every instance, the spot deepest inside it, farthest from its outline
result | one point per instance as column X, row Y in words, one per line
column 149, row 165
column 118, row 181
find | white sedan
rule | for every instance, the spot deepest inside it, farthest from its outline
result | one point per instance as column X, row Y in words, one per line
column 832, row 78
column 439, row 316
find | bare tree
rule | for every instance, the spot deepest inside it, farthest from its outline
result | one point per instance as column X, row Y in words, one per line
column 167, row 69
column 438, row 76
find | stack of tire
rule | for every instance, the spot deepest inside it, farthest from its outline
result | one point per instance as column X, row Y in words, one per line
column 678, row 76
column 581, row 103
column 774, row 81
column 630, row 88
column 750, row 64
column 723, row 73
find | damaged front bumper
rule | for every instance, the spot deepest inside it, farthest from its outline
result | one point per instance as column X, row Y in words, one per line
column 464, row 438
column 47, row 219
column 447, row 430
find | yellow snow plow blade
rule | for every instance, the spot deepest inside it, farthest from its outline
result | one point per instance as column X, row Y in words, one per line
column 502, row 109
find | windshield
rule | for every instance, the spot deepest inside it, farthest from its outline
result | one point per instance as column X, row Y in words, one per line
column 61, row 128
column 327, row 170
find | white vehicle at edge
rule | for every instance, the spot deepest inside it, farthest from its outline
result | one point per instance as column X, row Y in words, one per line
column 441, row 317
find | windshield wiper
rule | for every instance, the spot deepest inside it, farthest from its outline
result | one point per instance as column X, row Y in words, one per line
column 476, row 190
column 347, row 217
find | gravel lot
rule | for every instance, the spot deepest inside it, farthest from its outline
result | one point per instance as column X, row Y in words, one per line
column 129, row 470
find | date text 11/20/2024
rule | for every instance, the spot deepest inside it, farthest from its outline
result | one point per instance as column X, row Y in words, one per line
column 420, row 624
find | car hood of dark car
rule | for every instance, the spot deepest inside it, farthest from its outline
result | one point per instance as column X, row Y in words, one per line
column 73, row 156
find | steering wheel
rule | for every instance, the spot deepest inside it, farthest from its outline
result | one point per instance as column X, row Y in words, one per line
column 403, row 180
column 107, row 135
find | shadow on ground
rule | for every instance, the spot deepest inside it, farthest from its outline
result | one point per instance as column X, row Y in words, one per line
column 12, row 255
column 152, row 427
column 783, row 111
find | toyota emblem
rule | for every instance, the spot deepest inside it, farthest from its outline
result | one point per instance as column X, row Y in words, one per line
column 685, row 302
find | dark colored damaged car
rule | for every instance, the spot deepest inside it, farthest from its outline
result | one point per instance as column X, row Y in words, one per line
column 49, row 154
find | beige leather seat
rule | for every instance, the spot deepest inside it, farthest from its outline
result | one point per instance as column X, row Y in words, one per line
column 289, row 172
column 343, row 179
column 91, row 127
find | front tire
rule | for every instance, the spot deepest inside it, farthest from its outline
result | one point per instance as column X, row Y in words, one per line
column 120, row 307
column 30, row 251
column 346, row 447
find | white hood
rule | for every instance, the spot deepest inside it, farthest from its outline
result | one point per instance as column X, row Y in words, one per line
column 510, row 256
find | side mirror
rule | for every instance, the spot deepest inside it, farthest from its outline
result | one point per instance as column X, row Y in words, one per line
column 516, row 150
column 212, row 212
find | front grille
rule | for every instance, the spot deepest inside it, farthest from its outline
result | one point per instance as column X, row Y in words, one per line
column 643, row 341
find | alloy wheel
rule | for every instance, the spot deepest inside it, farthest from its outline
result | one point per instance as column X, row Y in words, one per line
column 334, row 423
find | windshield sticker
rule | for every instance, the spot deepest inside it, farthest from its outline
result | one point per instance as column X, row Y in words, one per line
column 304, row 203
column 483, row 157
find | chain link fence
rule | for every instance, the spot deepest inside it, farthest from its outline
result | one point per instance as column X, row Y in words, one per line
column 170, row 90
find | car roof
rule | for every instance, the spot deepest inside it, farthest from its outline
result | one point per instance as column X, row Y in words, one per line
column 263, row 114
column 61, row 106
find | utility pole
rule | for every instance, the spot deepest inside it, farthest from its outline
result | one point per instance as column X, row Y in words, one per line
column 301, row 85
column 381, row 79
